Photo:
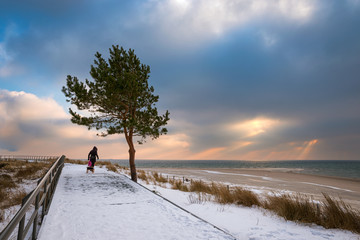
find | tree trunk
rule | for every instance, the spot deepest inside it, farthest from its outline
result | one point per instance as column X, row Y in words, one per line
column 132, row 164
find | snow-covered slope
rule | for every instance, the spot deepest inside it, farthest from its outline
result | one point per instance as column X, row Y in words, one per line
column 251, row 223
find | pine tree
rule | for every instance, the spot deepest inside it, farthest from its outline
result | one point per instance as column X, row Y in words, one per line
column 119, row 100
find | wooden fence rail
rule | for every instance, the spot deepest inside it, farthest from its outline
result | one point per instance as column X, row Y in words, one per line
column 37, row 202
column 26, row 157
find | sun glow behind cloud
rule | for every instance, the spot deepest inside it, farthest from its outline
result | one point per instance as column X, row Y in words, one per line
column 254, row 127
column 307, row 148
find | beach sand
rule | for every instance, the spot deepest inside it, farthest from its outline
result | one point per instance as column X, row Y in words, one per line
column 274, row 179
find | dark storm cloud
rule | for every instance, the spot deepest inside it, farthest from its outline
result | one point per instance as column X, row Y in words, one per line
column 310, row 75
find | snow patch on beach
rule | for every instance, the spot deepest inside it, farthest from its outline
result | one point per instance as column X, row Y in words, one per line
column 244, row 175
column 327, row 186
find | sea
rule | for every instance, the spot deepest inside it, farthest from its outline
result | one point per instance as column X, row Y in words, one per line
column 334, row 168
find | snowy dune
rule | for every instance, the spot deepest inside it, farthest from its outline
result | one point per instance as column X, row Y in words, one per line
column 265, row 181
column 252, row 223
column 106, row 205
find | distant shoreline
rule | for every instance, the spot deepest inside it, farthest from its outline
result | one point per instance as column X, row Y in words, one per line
column 334, row 168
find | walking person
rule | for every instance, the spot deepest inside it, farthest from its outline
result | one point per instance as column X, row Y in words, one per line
column 92, row 159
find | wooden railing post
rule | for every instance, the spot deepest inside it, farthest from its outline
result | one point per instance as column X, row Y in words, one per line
column 22, row 222
column 44, row 203
column 36, row 216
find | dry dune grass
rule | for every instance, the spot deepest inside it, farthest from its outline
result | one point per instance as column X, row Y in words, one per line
column 6, row 181
column 179, row 185
column 245, row 197
column 13, row 172
column 159, row 178
column 142, row 175
column 294, row 208
column 200, row 186
column 329, row 213
column 108, row 165
column 338, row 214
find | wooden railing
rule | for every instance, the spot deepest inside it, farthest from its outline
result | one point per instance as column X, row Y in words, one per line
column 26, row 157
column 37, row 203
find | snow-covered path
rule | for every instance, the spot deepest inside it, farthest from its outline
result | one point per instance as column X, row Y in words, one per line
column 106, row 205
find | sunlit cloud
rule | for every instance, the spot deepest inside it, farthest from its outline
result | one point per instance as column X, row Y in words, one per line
column 171, row 146
column 298, row 10
column 33, row 125
column 254, row 127
column 26, row 106
column 179, row 140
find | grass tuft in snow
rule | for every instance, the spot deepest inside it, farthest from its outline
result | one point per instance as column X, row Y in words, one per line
column 245, row 197
column 330, row 213
column 108, row 165
column 337, row 214
column 159, row 178
column 143, row 176
column 179, row 185
column 32, row 171
column 12, row 198
column 6, row 181
column 3, row 197
column 294, row 208
column 223, row 194
column 200, row 186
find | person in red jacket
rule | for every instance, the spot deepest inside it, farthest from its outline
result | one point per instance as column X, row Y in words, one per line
column 92, row 159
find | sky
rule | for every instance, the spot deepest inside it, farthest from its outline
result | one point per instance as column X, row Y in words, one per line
column 242, row 79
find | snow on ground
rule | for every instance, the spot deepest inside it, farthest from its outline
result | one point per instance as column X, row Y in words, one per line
column 106, row 205
column 251, row 223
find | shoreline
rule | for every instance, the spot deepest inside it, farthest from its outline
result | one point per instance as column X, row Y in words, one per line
column 332, row 168
column 263, row 181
